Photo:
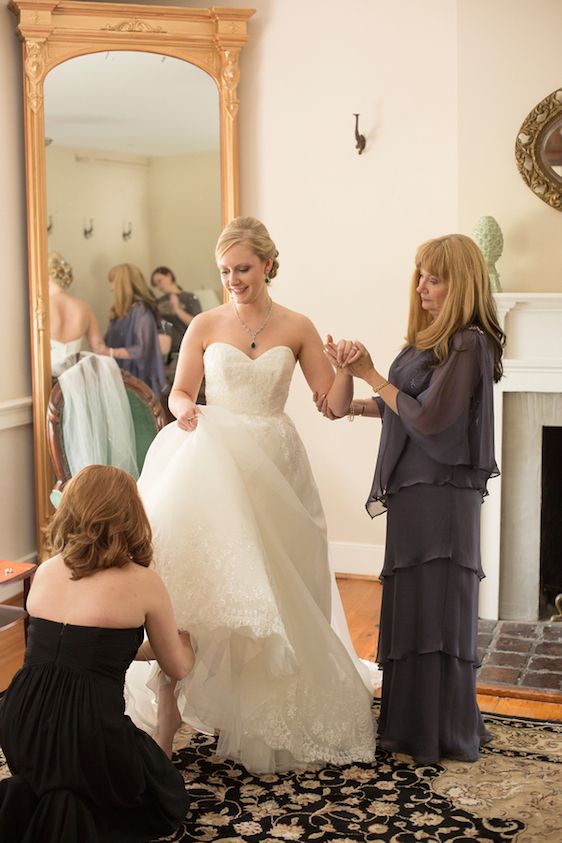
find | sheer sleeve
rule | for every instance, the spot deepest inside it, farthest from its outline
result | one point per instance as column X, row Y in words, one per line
column 144, row 328
column 439, row 419
column 444, row 430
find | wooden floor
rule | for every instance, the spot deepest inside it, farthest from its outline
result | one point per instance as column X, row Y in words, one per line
column 361, row 600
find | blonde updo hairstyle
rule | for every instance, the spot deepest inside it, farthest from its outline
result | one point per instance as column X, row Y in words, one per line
column 456, row 259
column 59, row 270
column 251, row 231
column 100, row 522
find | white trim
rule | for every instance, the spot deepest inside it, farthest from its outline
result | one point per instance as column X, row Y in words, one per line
column 15, row 413
column 361, row 559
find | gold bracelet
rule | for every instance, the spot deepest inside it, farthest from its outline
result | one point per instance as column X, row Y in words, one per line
column 351, row 413
column 381, row 386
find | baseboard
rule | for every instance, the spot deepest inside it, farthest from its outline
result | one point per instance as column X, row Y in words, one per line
column 365, row 560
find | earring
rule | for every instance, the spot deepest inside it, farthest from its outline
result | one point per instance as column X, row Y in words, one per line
column 267, row 279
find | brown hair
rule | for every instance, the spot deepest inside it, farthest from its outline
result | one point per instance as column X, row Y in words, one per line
column 164, row 270
column 253, row 232
column 129, row 286
column 100, row 522
column 457, row 260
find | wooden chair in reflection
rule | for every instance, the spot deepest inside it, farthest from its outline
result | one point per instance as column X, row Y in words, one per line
column 148, row 418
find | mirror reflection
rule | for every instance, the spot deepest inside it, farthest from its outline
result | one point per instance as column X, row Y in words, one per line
column 551, row 152
column 134, row 208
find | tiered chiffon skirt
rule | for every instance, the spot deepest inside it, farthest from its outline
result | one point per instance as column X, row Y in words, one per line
column 429, row 624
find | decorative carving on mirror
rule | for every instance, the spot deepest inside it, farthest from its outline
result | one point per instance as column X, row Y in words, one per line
column 538, row 150
column 53, row 32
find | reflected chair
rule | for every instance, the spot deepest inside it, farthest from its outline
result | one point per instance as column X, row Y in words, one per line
column 148, row 419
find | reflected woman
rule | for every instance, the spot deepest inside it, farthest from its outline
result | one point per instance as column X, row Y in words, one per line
column 71, row 320
column 174, row 305
column 132, row 335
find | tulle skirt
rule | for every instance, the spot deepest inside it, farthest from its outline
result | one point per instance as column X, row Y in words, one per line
column 240, row 542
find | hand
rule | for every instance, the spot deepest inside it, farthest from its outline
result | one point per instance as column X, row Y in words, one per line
column 189, row 418
column 321, row 402
column 175, row 302
column 340, row 354
column 355, row 359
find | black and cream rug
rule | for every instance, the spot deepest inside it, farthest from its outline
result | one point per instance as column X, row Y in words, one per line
column 512, row 793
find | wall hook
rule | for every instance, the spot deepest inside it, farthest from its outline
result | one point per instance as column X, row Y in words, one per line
column 88, row 229
column 50, row 224
column 127, row 232
column 360, row 141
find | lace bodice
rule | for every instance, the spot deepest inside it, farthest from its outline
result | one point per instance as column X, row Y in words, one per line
column 242, row 385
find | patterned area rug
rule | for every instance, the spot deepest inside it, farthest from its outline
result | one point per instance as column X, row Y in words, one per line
column 512, row 793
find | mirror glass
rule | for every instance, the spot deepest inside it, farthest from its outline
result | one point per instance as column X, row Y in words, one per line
column 551, row 152
column 133, row 171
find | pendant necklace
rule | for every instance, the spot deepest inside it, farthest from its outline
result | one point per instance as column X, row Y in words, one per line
column 248, row 330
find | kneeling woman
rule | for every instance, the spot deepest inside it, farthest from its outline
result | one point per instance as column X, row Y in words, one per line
column 81, row 770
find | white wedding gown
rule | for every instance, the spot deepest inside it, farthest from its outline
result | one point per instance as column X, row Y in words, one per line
column 240, row 541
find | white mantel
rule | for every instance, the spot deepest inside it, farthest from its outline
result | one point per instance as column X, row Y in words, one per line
column 532, row 363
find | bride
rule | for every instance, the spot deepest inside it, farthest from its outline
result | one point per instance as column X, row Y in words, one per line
column 240, row 537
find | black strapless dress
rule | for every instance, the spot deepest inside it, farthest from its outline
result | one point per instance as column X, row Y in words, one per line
column 82, row 772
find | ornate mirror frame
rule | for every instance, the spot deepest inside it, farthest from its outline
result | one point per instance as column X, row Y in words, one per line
column 53, row 31
column 528, row 149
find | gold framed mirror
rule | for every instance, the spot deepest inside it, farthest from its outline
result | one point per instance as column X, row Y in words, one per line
column 538, row 150
column 55, row 34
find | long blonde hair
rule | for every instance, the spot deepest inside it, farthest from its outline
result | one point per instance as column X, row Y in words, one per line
column 129, row 286
column 253, row 232
column 456, row 259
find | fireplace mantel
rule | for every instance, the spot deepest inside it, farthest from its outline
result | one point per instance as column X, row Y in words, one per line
column 532, row 363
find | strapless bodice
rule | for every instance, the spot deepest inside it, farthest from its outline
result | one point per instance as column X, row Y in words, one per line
column 64, row 354
column 242, row 385
column 98, row 651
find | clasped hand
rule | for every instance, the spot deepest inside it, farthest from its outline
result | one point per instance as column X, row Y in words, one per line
column 348, row 356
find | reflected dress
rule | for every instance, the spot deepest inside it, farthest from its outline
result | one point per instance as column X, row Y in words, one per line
column 240, row 541
column 434, row 461
column 82, row 772
column 137, row 331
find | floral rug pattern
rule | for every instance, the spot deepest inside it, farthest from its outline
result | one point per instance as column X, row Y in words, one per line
column 512, row 793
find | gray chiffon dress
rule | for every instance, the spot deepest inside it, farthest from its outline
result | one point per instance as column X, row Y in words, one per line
column 434, row 461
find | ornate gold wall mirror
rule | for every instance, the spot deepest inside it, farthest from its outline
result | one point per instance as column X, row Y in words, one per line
column 126, row 95
column 538, row 150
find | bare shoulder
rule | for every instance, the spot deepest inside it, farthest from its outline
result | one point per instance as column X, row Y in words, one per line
column 295, row 320
column 54, row 563
column 148, row 579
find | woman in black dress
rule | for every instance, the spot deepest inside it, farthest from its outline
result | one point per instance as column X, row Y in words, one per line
column 82, row 772
column 435, row 457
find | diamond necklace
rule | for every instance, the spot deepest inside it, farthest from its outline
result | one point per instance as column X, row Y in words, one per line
column 248, row 330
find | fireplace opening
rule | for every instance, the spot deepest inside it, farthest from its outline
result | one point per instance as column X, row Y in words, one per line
column 551, row 521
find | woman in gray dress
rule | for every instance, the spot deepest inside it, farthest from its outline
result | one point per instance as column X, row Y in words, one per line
column 132, row 334
column 435, row 457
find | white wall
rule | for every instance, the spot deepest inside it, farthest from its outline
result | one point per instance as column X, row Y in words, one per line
column 113, row 191
column 185, row 217
column 171, row 225
column 442, row 88
column 509, row 60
